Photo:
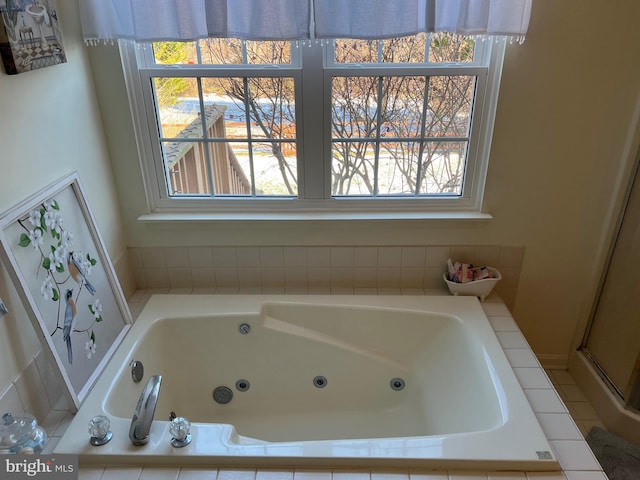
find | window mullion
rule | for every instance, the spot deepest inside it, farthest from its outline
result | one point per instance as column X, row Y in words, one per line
column 314, row 126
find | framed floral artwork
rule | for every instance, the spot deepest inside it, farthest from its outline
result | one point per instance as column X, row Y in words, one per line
column 56, row 258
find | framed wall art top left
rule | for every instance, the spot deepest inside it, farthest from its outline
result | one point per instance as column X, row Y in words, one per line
column 30, row 37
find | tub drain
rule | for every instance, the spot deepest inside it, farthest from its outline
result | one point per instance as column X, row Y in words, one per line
column 320, row 381
column 396, row 384
column 222, row 395
column 242, row 385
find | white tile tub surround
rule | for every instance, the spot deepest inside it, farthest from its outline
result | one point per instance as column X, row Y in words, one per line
column 336, row 269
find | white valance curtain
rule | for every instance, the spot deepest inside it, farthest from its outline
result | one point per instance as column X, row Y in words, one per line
column 187, row 20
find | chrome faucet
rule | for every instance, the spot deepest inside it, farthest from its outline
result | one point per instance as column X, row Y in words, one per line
column 139, row 432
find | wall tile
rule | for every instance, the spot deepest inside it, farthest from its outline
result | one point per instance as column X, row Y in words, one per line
column 342, row 256
column 319, row 276
column 124, row 274
column 238, row 474
column 140, row 277
column 351, row 475
column 249, row 276
column 179, row 277
column 226, row 276
column 32, row 393
column 463, row 254
column 433, row 278
column 135, row 258
column 203, row 277
column 487, row 255
column 413, row 256
column 389, row 277
column 365, row 256
column 365, row 277
column 309, row 475
column 224, row 257
column 49, row 380
column 274, row 475
column 411, row 277
column 436, row 256
column 507, row 476
column 273, row 276
column 342, row 277
column 157, row 277
column 176, row 256
column 389, row 475
column 318, row 256
column 295, row 276
column 428, row 476
column 295, row 256
column 397, row 268
column 201, row 257
column 271, row 256
column 389, row 256
column 153, row 257
column 248, row 256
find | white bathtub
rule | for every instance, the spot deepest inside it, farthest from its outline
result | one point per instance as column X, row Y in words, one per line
column 460, row 406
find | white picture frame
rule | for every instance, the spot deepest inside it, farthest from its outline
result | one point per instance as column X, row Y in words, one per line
column 56, row 258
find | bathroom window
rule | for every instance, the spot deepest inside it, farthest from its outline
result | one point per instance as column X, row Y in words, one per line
column 232, row 126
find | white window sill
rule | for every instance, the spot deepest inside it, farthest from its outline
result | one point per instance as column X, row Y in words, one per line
column 184, row 217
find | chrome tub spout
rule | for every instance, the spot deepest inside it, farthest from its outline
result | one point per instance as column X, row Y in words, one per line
column 139, row 432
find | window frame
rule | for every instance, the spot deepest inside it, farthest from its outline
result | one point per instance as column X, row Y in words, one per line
column 314, row 162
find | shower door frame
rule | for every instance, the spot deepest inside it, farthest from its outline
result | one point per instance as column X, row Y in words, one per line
column 630, row 396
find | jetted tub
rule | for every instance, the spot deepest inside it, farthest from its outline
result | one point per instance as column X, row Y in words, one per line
column 410, row 381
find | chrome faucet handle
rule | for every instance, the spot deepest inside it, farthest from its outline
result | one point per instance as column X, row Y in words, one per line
column 179, row 429
column 99, row 430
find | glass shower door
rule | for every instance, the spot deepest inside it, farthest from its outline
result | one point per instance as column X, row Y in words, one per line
column 613, row 341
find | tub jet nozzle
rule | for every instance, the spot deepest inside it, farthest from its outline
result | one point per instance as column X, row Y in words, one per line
column 222, row 395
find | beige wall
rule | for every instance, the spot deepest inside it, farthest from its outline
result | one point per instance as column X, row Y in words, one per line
column 563, row 119
column 49, row 126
